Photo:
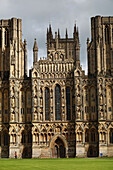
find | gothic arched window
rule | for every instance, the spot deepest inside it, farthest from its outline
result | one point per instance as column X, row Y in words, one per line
column 7, row 37
column 57, row 103
column 68, row 103
column 47, row 103
column 107, row 34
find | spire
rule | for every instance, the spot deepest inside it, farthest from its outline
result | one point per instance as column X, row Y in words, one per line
column 35, row 47
column 75, row 30
column 56, row 40
column 66, row 33
column 25, row 57
column 49, row 32
column 58, row 33
column 50, row 29
column 35, row 51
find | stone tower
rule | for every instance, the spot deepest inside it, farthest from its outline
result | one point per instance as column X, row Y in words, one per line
column 100, row 69
column 13, row 67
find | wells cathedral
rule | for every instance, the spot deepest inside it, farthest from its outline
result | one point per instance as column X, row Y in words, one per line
column 58, row 111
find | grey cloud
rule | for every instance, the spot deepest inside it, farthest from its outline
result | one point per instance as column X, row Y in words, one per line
column 36, row 15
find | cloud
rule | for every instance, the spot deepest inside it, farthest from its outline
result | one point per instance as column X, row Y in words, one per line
column 62, row 14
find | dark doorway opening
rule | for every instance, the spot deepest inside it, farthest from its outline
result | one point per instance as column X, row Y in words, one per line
column 92, row 152
column 59, row 150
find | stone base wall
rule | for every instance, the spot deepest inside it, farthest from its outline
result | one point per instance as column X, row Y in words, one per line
column 12, row 151
column 107, row 151
column 103, row 150
column 41, row 152
column 110, row 151
column 80, row 151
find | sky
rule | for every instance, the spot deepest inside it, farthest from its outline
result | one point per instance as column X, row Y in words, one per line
column 36, row 16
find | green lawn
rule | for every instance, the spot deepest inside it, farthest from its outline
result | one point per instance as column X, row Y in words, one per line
column 57, row 164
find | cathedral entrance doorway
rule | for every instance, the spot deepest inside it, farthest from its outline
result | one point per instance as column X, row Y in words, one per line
column 92, row 152
column 59, row 150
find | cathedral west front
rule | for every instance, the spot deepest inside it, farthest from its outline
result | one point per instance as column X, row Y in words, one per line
column 57, row 111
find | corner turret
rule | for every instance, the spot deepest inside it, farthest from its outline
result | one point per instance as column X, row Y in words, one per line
column 35, row 52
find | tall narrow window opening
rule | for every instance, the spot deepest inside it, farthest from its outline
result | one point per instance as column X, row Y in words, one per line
column 68, row 103
column 106, row 34
column 47, row 103
column 57, row 103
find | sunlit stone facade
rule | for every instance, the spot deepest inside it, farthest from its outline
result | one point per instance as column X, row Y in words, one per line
column 57, row 111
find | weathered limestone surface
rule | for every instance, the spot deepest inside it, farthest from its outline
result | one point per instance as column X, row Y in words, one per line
column 57, row 111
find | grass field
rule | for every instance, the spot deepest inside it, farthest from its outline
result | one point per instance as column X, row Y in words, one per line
column 57, row 164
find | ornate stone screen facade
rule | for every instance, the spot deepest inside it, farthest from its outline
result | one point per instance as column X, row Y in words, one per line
column 57, row 111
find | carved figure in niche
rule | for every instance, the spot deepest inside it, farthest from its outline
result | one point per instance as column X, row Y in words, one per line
column 12, row 117
column 101, row 108
column 63, row 109
column 13, row 72
column 57, row 75
column 13, row 102
column 12, row 110
column 56, row 56
column 41, row 101
column 78, row 115
column 20, row 85
column 57, row 130
column 101, row 99
column 51, row 117
column 62, row 92
column 35, row 91
column 12, row 90
column 51, row 109
column 78, row 89
column 35, row 100
column 34, row 117
column 35, row 110
column 78, row 99
column 51, row 93
column 101, row 114
column 100, row 89
column 50, row 57
column 63, row 116
column 45, row 75
column 78, row 112
column 61, row 56
column 63, row 102
column 78, row 81
column 12, row 83
column 35, row 83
